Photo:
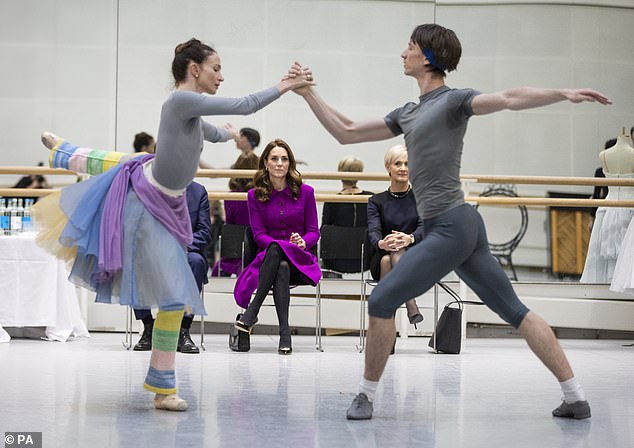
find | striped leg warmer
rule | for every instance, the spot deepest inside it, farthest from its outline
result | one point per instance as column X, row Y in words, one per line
column 161, row 378
column 82, row 160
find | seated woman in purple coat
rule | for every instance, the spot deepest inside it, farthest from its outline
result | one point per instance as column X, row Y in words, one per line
column 283, row 217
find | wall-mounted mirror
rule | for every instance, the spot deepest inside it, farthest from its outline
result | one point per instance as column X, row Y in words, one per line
column 97, row 71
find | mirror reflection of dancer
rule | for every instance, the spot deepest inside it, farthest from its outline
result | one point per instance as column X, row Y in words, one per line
column 455, row 237
column 126, row 230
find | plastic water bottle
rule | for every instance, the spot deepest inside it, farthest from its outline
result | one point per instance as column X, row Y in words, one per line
column 16, row 217
column 27, row 225
column 7, row 214
column 4, row 217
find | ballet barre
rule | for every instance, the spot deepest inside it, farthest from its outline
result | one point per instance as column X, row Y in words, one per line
column 336, row 175
column 466, row 179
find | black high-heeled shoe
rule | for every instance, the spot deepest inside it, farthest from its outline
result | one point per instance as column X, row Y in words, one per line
column 415, row 319
column 245, row 327
column 284, row 347
column 285, row 350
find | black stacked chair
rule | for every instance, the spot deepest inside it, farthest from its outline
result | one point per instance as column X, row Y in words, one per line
column 231, row 243
column 343, row 248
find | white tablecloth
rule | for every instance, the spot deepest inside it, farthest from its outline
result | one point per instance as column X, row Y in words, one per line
column 35, row 291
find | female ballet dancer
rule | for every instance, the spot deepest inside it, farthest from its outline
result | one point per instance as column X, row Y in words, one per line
column 125, row 231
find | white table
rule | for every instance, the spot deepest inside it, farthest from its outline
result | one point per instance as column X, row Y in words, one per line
column 35, row 291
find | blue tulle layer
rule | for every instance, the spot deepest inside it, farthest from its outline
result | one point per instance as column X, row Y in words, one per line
column 155, row 269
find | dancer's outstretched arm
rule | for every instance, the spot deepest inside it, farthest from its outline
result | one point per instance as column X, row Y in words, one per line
column 222, row 133
column 530, row 97
column 337, row 124
column 189, row 104
column 341, row 127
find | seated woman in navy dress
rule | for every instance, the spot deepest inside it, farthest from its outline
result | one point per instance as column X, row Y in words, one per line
column 393, row 222
column 283, row 217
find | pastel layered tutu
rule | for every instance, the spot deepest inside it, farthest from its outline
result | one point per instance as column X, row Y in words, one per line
column 130, row 249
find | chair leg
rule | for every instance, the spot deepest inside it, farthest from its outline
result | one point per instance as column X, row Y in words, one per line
column 127, row 342
column 361, row 346
column 318, row 318
column 435, row 314
column 202, row 321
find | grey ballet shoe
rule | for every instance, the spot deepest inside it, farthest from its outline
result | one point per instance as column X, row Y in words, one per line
column 577, row 410
column 360, row 409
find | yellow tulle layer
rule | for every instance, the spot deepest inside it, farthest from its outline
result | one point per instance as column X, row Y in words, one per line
column 51, row 221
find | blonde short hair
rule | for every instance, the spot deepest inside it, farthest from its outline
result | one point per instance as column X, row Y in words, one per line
column 350, row 163
column 392, row 154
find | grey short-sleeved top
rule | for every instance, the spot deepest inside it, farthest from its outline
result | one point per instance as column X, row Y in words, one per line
column 433, row 129
column 182, row 131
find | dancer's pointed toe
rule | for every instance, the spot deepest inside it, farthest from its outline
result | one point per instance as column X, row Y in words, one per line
column 51, row 140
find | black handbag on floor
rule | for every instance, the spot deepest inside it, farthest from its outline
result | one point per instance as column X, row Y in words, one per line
column 448, row 332
column 239, row 341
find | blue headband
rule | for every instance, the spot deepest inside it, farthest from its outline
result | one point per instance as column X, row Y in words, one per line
column 432, row 60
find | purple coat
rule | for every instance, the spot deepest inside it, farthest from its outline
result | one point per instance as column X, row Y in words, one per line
column 274, row 221
column 237, row 212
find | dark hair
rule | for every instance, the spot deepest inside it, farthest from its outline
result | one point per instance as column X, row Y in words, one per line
column 442, row 42
column 252, row 136
column 191, row 51
column 609, row 143
column 140, row 140
column 248, row 162
column 261, row 180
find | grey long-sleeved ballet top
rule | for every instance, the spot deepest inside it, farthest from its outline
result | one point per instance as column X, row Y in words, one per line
column 182, row 131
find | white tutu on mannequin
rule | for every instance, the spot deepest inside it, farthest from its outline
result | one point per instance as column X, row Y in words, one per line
column 608, row 233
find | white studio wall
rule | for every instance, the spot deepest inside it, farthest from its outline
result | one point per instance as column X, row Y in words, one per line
column 356, row 67
column 97, row 71
column 58, row 72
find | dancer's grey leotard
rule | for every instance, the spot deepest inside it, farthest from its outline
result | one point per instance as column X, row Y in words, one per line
column 182, row 131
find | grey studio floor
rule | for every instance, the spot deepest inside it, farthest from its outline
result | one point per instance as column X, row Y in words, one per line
column 88, row 393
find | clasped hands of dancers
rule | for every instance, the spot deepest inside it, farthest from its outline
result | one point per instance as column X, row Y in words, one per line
column 433, row 128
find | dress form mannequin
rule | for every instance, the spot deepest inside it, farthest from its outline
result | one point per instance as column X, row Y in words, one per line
column 623, row 278
column 611, row 223
column 619, row 159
